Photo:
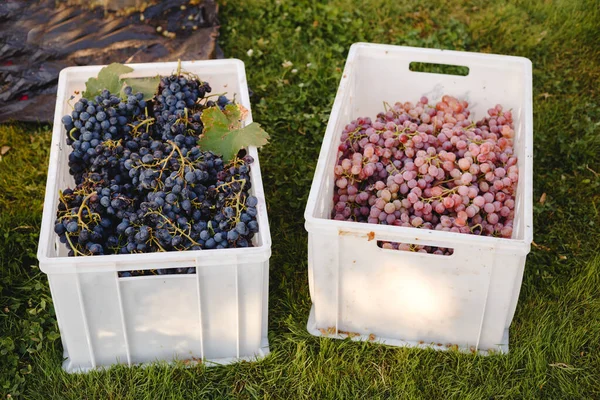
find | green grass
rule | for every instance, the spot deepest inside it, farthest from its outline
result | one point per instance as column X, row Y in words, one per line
column 555, row 336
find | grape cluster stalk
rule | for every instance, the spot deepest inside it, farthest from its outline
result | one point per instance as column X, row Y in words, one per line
column 429, row 166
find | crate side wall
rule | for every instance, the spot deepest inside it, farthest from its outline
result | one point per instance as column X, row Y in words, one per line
column 216, row 314
column 463, row 299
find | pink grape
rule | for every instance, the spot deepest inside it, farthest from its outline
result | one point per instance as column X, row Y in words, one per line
column 380, row 203
column 466, row 178
column 417, row 221
column 464, row 164
column 470, row 211
column 440, row 208
column 463, row 190
column 389, row 208
column 448, row 202
column 429, row 165
column 479, row 201
column 493, row 218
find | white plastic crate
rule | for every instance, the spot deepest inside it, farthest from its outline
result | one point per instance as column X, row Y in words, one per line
column 217, row 315
column 403, row 298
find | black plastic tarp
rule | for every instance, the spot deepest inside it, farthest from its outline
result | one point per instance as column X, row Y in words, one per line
column 39, row 38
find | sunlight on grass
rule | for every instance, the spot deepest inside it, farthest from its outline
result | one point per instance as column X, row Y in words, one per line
column 555, row 336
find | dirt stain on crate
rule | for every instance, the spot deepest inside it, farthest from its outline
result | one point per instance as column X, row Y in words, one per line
column 191, row 361
column 349, row 334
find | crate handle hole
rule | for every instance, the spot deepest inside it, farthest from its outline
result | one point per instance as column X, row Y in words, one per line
column 157, row 272
column 434, row 68
column 415, row 248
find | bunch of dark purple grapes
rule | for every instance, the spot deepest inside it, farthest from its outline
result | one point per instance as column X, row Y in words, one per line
column 143, row 184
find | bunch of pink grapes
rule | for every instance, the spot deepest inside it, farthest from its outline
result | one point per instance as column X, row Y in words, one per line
column 424, row 166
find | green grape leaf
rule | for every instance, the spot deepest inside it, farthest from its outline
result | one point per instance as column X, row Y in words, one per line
column 224, row 134
column 147, row 86
column 109, row 78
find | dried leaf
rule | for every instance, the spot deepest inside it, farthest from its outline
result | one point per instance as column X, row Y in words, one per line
column 4, row 150
column 540, row 246
column 561, row 365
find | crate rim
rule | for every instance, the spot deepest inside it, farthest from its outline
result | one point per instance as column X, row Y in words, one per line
column 414, row 235
column 355, row 47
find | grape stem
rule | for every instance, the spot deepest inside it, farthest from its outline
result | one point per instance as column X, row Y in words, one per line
column 183, row 119
column 61, row 197
column 92, row 215
column 235, row 202
column 147, row 121
column 75, row 251
column 476, row 226
column 71, row 134
column 206, row 97
column 111, row 144
column 69, row 102
column 440, row 197
column 154, row 240
column 174, row 227
column 163, row 163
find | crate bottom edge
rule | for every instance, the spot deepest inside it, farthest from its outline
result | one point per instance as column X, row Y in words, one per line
column 261, row 353
column 311, row 327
